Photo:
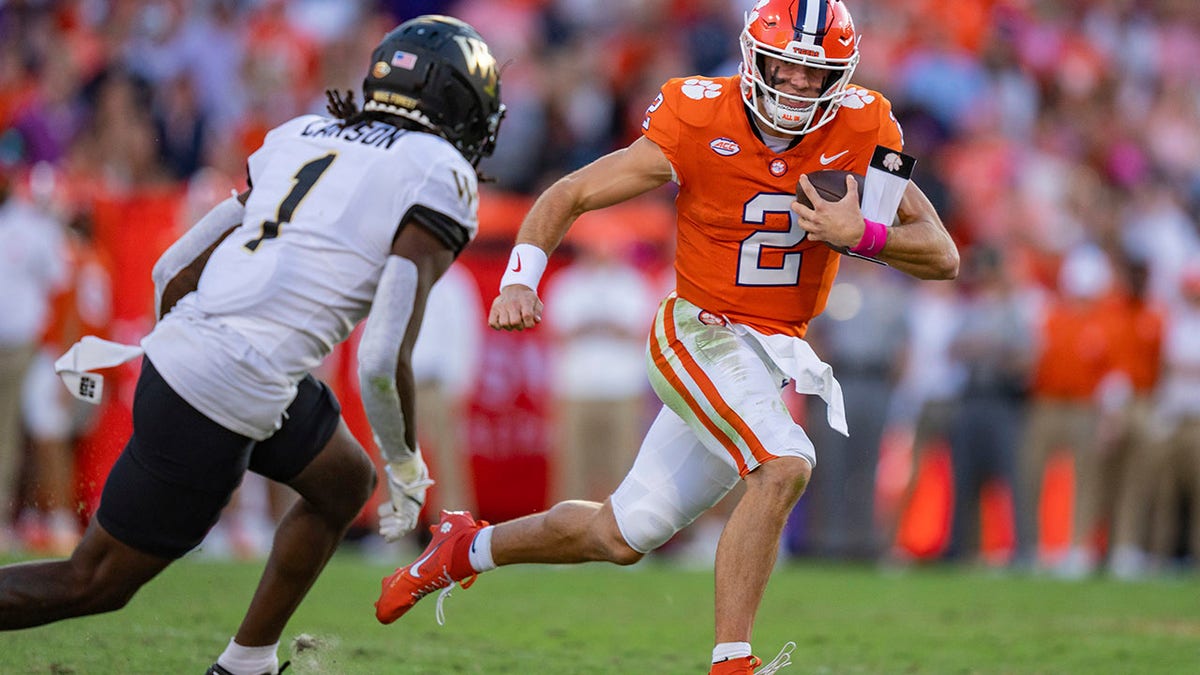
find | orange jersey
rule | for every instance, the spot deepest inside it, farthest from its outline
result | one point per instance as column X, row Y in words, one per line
column 84, row 304
column 1080, row 346
column 1140, row 333
column 739, row 250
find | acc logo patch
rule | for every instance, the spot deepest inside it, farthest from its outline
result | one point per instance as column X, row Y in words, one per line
column 724, row 147
column 698, row 89
column 777, row 167
column 709, row 319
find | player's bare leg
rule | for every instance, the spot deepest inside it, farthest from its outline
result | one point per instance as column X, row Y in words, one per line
column 570, row 532
column 333, row 489
column 101, row 575
column 748, row 547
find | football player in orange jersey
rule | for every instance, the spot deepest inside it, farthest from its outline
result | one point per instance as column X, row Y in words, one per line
column 751, row 271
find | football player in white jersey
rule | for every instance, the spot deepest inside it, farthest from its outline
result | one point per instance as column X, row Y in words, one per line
column 347, row 217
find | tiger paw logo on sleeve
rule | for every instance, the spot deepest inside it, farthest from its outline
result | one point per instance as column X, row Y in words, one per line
column 697, row 89
column 857, row 98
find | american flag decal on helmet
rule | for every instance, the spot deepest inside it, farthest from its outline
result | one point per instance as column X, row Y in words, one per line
column 405, row 60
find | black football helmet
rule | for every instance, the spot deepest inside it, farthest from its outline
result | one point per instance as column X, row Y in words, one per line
column 438, row 72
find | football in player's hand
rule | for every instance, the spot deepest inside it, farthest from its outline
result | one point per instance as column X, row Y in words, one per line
column 831, row 186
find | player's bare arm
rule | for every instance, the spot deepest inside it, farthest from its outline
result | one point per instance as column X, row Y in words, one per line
column 918, row 244
column 611, row 179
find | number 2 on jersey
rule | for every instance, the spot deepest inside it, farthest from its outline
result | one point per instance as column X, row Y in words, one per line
column 751, row 272
column 304, row 179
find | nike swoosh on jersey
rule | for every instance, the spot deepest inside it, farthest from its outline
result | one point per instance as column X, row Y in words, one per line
column 518, row 267
column 826, row 161
column 415, row 570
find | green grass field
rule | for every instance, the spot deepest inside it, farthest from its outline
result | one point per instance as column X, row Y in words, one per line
column 652, row 618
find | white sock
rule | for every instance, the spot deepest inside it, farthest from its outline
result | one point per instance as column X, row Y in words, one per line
column 730, row 650
column 480, row 554
column 241, row 660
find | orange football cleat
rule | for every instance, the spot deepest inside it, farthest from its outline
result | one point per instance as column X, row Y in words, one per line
column 745, row 665
column 443, row 563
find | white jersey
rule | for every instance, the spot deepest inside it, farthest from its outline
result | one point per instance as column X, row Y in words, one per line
column 301, row 271
column 32, row 269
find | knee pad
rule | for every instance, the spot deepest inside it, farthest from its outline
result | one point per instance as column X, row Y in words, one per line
column 674, row 479
column 644, row 524
column 649, row 513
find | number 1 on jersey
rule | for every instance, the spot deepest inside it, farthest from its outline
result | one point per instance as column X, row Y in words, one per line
column 304, row 179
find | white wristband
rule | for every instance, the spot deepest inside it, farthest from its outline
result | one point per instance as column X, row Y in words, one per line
column 525, row 266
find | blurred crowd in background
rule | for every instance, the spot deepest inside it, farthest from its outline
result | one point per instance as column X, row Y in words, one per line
column 1043, row 411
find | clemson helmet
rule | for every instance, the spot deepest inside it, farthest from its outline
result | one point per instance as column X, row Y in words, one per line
column 438, row 72
column 815, row 33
